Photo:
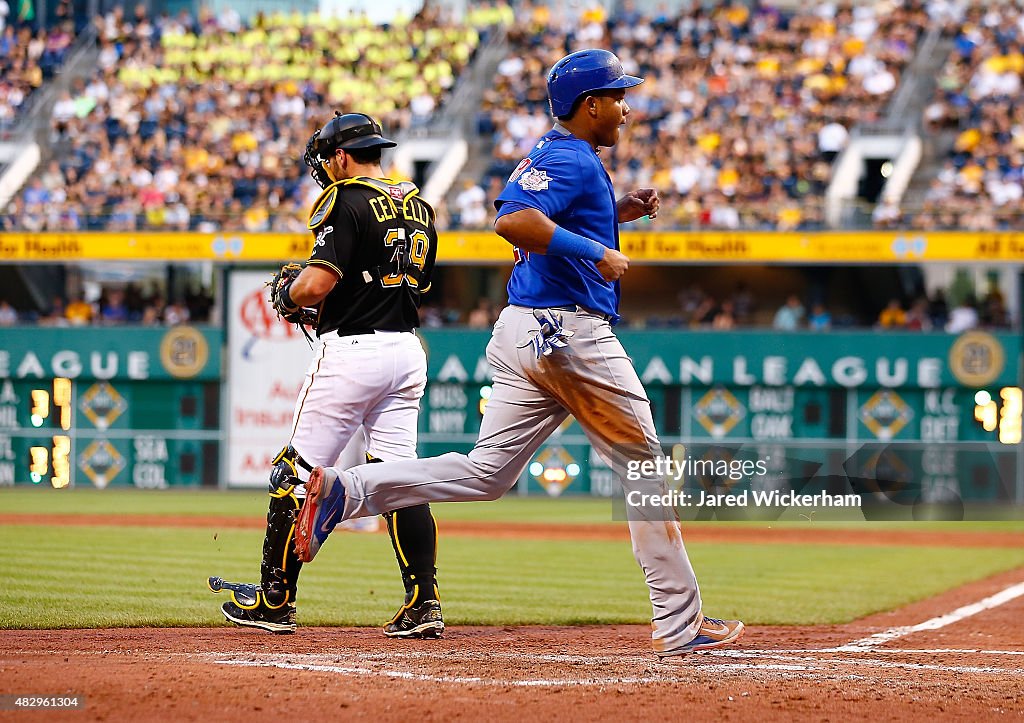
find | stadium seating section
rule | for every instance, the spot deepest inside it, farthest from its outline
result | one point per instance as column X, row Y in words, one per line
column 979, row 98
column 728, row 122
column 197, row 124
column 27, row 60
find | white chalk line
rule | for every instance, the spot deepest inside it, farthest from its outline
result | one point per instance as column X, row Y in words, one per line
column 481, row 656
column 791, row 664
column 536, row 683
column 1000, row 598
column 869, row 662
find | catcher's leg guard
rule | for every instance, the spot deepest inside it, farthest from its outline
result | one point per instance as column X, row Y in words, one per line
column 270, row 605
column 281, row 566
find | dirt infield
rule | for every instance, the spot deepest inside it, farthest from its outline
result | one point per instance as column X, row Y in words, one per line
column 959, row 656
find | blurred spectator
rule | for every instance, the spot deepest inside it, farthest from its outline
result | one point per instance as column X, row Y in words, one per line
column 993, row 310
column 820, row 318
column 8, row 315
column 790, row 315
column 176, row 313
column 832, row 139
column 470, row 206
column 938, row 310
column 887, row 213
column 430, row 317
column 199, row 302
column 892, row 316
column 113, row 309
column 917, row 318
column 56, row 314
column 724, row 318
column 704, row 313
column 151, row 315
column 743, row 303
column 963, row 317
column 482, row 316
column 79, row 312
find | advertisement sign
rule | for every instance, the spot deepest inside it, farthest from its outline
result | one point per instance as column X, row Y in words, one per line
column 267, row 361
column 482, row 247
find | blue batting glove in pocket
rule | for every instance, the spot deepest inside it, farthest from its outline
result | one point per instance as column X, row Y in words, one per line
column 552, row 334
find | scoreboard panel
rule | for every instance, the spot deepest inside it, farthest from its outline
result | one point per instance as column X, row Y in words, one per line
column 136, row 407
column 931, row 412
column 149, row 407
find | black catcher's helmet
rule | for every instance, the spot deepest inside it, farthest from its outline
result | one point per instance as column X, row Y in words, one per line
column 349, row 132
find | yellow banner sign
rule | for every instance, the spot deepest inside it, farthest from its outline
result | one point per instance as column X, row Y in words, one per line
column 484, row 247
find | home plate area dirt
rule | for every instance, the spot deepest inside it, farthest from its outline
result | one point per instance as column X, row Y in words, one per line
column 957, row 656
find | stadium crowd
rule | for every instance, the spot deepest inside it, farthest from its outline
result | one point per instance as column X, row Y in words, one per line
column 116, row 305
column 981, row 185
column 742, row 111
column 28, row 58
column 147, row 304
column 743, row 308
column 197, row 123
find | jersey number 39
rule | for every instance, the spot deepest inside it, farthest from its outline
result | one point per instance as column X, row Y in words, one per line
column 406, row 251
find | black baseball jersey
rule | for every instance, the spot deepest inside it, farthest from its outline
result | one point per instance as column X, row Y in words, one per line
column 379, row 237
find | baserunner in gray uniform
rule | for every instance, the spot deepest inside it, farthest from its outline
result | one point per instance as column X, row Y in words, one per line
column 553, row 353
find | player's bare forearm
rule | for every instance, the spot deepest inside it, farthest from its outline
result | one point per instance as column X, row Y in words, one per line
column 313, row 285
column 527, row 229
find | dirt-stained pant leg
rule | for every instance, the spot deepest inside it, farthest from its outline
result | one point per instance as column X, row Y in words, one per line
column 597, row 383
column 518, row 419
column 594, row 379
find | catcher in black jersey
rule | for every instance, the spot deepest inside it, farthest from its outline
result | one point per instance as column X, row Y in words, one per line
column 373, row 254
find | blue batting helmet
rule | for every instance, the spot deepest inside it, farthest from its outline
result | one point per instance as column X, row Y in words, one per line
column 582, row 72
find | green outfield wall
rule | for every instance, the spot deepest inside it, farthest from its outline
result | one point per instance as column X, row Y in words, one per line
column 148, row 407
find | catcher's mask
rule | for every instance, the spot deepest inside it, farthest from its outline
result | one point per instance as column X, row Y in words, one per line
column 350, row 132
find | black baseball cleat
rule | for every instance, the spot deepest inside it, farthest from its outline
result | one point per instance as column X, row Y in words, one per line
column 280, row 620
column 424, row 621
column 248, row 607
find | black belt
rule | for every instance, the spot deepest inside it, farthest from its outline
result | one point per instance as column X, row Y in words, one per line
column 357, row 332
column 576, row 309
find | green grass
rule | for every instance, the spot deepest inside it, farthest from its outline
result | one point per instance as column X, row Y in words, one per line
column 78, row 576
column 534, row 509
column 108, row 576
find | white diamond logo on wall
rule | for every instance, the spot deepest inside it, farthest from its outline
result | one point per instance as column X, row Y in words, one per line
column 101, row 462
column 885, row 414
column 718, row 412
column 102, row 404
column 555, row 469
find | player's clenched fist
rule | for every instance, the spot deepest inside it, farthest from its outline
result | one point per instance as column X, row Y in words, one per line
column 637, row 204
column 613, row 265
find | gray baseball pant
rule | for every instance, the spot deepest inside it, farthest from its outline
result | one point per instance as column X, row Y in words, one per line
column 594, row 380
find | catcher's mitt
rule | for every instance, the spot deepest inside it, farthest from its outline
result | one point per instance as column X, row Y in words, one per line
column 282, row 302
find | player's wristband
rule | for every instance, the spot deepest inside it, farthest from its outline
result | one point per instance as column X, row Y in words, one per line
column 286, row 299
column 567, row 243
